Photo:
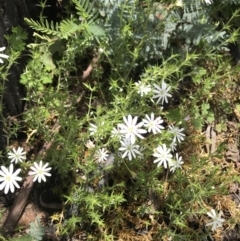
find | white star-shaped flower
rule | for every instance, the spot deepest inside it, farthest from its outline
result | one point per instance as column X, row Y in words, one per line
column 40, row 171
column 9, row 179
column 173, row 146
column 161, row 93
column 208, row 2
column 90, row 144
column 115, row 133
column 131, row 129
column 217, row 220
column 142, row 88
column 129, row 149
column 177, row 133
column 152, row 124
column 101, row 155
column 92, row 129
column 4, row 56
column 164, row 157
column 17, row 155
column 176, row 163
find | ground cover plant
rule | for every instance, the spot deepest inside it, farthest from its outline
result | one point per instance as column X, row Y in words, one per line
column 131, row 119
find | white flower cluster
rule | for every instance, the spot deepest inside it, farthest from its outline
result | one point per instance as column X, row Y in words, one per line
column 130, row 130
column 161, row 93
column 9, row 178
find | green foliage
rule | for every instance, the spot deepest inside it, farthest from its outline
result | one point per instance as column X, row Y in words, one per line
column 2, row 238
column 72, row 26
column 17, row 39
column 180, row 29
column 21, row 238
column 36, row 230
column 38, row 72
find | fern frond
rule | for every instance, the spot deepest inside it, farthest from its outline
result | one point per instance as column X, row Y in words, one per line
column 67, row 28
column 86, row 10
column 63, row 30
column 42, row 27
